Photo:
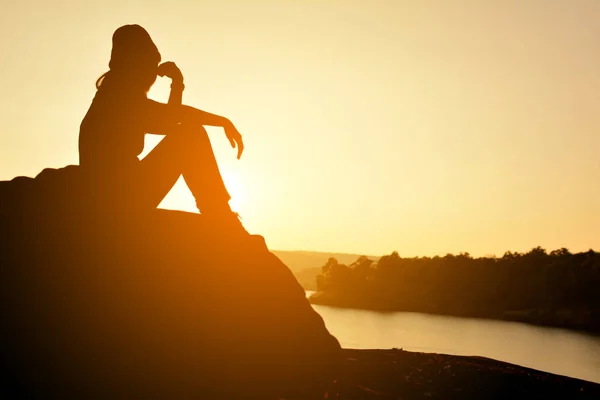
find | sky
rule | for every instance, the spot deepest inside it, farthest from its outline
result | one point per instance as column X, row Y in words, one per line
column 425, row 127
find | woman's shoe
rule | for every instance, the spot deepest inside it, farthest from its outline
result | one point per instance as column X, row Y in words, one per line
column 229, row 222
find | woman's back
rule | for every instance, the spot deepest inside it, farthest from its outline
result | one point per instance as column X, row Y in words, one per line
column 112, row 132
column 111, row 135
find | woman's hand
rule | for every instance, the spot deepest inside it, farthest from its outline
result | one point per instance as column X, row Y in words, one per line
column 170, row 70
column 235, row 137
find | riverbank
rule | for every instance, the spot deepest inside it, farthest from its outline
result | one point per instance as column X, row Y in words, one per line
column 573, row 319
column 399, row 374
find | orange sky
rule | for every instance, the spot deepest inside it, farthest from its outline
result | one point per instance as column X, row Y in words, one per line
column 425, row 127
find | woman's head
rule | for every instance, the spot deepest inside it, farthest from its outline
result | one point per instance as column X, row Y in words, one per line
column 134, row 58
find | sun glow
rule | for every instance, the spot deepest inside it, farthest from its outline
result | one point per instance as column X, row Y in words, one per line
column 236, row 188
column 180, row 197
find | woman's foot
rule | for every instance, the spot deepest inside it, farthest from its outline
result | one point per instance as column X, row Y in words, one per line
column 228, row 222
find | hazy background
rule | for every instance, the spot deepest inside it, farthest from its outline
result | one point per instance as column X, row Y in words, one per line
column 425, row 127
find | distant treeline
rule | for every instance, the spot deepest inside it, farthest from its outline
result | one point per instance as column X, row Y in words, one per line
column 557, row 288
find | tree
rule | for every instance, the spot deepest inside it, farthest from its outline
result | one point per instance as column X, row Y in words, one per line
column 362, row 267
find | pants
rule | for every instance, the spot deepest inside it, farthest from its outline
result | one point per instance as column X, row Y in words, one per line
column 186, row 151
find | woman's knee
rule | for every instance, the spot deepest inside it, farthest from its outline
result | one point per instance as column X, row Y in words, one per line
column 190, row 137
column 190, row 132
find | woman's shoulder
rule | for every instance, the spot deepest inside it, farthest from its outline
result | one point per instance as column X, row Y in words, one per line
column 115, row 99
column 115, row 93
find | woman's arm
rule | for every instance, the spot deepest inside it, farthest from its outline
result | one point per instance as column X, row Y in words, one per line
column 161, row 118
column 190, row 115
column 194, row 116
column 205, row 118
column 171, row 70
column 176, row 95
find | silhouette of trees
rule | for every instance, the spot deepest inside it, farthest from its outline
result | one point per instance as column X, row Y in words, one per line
column 554, row 288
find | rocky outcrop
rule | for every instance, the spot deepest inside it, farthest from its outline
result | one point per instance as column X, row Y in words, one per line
column 399, row 374
column 99, row 300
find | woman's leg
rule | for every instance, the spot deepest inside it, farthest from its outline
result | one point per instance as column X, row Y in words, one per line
column 188, row 152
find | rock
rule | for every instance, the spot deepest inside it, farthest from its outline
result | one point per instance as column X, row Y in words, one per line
column 100, row 300
column 398, row 374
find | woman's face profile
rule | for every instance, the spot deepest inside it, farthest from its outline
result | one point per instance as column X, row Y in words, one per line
column 148, row 76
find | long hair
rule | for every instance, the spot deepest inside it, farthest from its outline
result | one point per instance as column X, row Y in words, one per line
column 101, row 79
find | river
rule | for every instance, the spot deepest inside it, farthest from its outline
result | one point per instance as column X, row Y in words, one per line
column 558, row 351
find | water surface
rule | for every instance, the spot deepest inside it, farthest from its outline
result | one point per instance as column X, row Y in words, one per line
column 553, row 350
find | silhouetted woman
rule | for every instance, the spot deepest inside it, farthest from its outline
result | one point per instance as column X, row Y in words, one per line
column 112, row 134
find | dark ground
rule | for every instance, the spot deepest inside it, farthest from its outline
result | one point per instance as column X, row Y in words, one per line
column 398, row 374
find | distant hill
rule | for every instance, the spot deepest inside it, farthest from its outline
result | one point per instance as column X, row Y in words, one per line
column 298, row 260
column 307, row 277
column 306, row 265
